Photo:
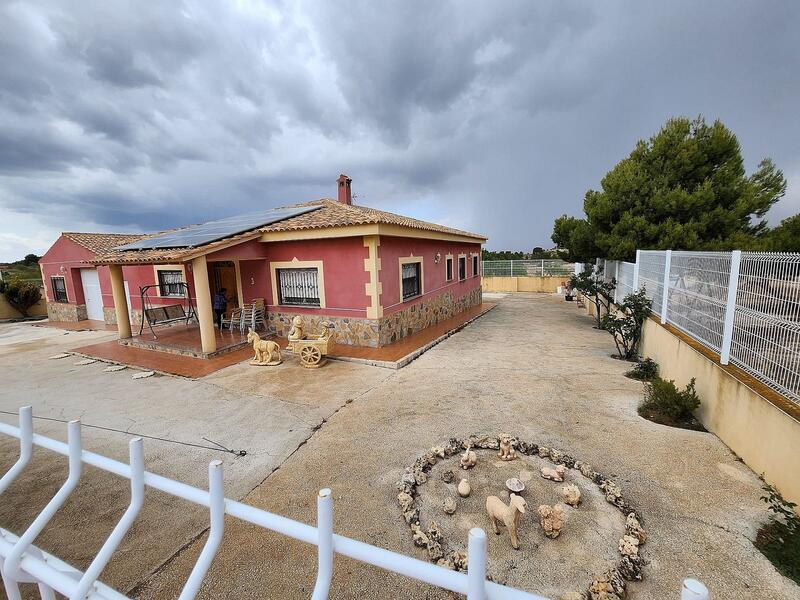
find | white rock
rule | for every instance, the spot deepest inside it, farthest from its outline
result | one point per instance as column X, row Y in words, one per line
column 570, row 494
column 449, row 506
column 86, row 361
column 57, row 356
column 464, row 488
column 114, row 368
column 143, row 374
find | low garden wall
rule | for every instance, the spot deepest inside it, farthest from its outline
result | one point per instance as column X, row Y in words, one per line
column 759, row 425
column 547, row 284
column 9, row 312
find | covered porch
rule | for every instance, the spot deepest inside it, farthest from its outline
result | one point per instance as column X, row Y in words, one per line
column 192, row 328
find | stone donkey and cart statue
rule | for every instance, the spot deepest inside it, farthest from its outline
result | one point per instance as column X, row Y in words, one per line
column 311, row 350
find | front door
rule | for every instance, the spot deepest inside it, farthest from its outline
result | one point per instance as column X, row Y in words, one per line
column 225, row 277
column 92, row 294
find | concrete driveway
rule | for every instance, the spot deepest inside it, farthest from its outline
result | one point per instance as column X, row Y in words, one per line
column 533, row 366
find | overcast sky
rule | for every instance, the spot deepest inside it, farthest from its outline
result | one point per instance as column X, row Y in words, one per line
column 493, row 116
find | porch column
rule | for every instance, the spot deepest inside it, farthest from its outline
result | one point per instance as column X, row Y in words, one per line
column 120, row 303
column 205, row 316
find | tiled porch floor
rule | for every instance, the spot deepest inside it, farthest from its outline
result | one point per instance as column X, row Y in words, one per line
column 185, row 339
column 187, row 366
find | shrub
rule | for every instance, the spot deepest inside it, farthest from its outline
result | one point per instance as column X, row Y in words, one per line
column 20, row 294
column 663, row 399
column 645, row 370
column 779, row 539
column 626, row 326
column 591, row 284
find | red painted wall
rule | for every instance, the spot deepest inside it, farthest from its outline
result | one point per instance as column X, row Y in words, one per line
column 434, row 274
column 69, row 255
column 73, row 257
column 343, row 269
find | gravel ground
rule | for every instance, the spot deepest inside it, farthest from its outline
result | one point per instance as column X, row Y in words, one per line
column 533, row 367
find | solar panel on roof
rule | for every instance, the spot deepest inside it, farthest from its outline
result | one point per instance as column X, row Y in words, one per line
column 205, row 233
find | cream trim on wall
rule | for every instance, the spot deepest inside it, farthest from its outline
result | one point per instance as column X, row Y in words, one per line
column 406, row 260
column 374, row 287
column 297, row 264
column 239, row 292
column 472, row 256
column 175, row 267
column 452, row 268
column 460, row 256
column 364, row 230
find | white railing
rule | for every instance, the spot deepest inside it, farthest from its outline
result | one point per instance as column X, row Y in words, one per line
column 745, row 306
column 22, row 562
column 548, row 267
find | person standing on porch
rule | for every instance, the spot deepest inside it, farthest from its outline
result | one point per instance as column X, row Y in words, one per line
column 220, row 305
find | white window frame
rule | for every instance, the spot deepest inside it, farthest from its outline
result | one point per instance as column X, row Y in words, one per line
column 476, row 265
column 449, row 260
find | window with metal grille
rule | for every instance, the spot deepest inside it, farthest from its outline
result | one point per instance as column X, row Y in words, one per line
column 475, row 266
column 411, row 280
column 449, row 268
column 169, row 283
column 59, row 289
column 298, row 287
column 462, row 268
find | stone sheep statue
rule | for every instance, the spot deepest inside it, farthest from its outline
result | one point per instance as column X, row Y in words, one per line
column 509, row 515
column 556, row 474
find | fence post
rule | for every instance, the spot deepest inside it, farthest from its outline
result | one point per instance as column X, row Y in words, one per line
column 512, row 269
column 476, row 568
column 636, row 272
column 542, row 267
column 694, row 590
column 324, row 545
column 665, row 295
column 730, row 307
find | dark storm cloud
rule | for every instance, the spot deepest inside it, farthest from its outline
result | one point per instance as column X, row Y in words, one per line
column 495, row 117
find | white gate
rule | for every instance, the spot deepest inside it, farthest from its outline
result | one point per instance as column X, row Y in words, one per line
column 92, row 294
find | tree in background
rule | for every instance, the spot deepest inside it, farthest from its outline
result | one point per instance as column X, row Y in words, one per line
column 20, row 294
column 684, row 188
column 31, row 259
column 783, row 238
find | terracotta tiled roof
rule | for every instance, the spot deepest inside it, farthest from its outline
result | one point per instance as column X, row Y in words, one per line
column 101, row 243
column 332, row 214
column 336, row 214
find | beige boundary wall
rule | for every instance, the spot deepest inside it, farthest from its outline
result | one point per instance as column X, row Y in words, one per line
column 522, row 284
column 758, row 424
column 9, row 312
column 755, row 422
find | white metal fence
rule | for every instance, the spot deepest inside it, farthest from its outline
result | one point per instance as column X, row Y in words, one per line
column 548, row 267
column 22, row 562
column 743, row 305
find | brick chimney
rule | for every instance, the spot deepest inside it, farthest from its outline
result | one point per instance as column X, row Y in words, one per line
column 345, row 193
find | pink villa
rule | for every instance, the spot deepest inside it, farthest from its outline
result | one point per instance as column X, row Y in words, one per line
column 375, row 276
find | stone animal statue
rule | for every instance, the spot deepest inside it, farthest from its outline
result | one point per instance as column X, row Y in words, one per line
column 551, row 518
column 507, row 451
column 267, row 352
column 509, row 515
column 296, row 331
column 556, row 474
column 468, row 459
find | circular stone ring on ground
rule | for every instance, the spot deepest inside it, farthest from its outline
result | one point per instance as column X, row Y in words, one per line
column 610, row 585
